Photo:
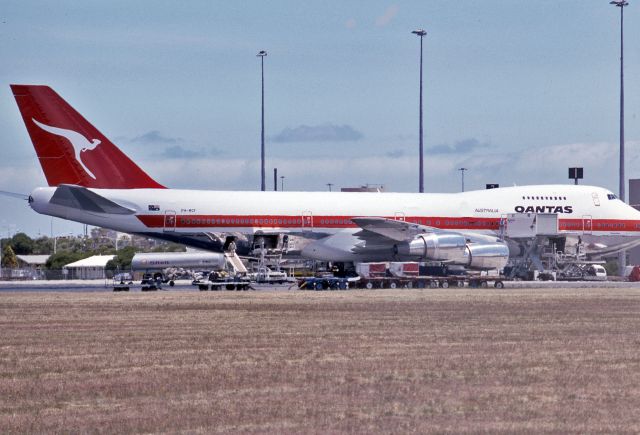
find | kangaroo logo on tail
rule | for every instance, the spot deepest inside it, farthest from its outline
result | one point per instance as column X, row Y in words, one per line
column 79, row 142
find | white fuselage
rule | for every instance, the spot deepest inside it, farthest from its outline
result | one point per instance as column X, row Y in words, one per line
column 581, row 210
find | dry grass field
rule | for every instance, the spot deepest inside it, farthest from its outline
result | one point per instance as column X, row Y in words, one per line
column 564, row 361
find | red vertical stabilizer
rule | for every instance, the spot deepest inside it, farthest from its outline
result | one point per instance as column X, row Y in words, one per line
column 70, row 149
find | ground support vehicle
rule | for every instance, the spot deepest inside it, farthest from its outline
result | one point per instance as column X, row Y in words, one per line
column 486, row 281
column 119, row 286
column 120, row 282
column 264, row 275
column 426, row 281
column 327, row 283
column 336, row 283
column 151, row 282
column 223, row 284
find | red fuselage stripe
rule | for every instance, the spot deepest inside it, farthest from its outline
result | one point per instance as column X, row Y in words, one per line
column 448, row 223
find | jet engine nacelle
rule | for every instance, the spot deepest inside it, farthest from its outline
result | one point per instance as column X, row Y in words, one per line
column 438, row 247
column 487, row 256
column 453, row 248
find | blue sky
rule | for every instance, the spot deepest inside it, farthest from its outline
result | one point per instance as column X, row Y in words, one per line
column 516, row 91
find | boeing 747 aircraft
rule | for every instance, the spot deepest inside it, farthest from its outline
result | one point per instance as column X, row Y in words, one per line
column 91, row 181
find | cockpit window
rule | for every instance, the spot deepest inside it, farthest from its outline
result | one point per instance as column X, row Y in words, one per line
column 611, row 196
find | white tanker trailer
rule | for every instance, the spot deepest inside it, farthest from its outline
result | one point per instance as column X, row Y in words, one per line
column 162, row 266
column 186, row 260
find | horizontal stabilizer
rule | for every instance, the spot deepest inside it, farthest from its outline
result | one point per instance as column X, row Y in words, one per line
column 84, row 199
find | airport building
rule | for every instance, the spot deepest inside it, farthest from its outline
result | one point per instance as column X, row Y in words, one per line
column 88, row 268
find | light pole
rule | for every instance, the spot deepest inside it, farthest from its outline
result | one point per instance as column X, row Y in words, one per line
column 421, row 33
column 59, row 236
column 462, row 173
column 275, row 179
column 261, row 55
column 622, row 256
column 621, row 4
column 282, row 183
column 329, row 184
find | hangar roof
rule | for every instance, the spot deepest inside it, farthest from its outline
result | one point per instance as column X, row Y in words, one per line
column 34, row 260
column 95, row 261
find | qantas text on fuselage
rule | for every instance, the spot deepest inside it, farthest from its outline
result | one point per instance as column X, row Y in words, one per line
column 544, row 209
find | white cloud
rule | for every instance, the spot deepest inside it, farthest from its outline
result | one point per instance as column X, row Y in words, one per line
column 155, row 137
column 318, row 133
column 179, row 152
column 462, row 146
column 389, row 14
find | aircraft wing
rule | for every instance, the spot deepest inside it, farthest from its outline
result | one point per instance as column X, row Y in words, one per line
column 393, row 229
column 381, row 239
column 596, row 251
column 378, row 231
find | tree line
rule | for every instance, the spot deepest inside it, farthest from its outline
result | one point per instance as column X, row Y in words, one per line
column 69, row 250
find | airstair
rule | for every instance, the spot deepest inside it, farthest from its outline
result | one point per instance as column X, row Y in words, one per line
column 235, row 262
